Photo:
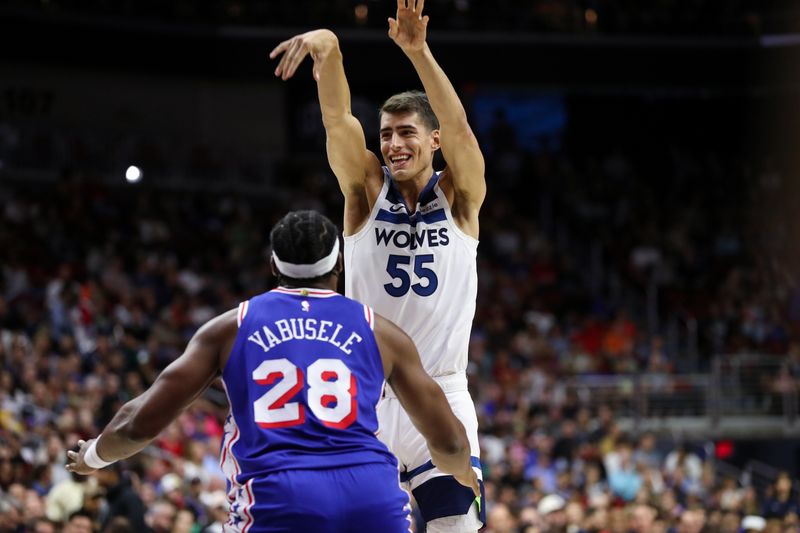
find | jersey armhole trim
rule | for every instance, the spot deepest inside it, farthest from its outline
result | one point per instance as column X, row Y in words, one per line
column 369, row 316
column 242, row 312
column 471, row 241
column 372, row 214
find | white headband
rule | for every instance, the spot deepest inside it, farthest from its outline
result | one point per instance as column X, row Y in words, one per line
column 323, row 266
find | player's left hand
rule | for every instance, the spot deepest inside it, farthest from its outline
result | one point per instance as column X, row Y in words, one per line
column 75, row 459
column 409, row 29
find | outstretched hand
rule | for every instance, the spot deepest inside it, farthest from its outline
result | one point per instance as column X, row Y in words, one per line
column 409, row 29
column 75, row 459
column 317, row 43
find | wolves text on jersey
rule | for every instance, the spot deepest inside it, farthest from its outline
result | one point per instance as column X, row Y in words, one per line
column 403, row 239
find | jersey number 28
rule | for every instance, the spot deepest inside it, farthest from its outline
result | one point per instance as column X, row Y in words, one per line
column 331, row 393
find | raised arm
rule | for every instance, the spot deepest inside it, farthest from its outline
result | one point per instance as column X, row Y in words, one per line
column 425, row 404
column 460, row 148
column 348, row 156
column 140, row 420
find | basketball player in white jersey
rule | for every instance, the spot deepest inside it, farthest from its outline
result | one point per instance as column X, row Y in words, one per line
column 411, row 236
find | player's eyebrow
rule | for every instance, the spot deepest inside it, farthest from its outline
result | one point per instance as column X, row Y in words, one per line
column 400, row 127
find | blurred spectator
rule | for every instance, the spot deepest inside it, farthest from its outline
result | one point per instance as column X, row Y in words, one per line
column 752, row 523
column 79, row 522
column 642, row 519
column 67, row 497
column 161, row 516
column 500, row 519
column 123, row 500
column 551, row 509
column 624, row 478
column 782, row 502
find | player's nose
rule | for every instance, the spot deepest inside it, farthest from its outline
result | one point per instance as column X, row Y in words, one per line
column 395, row 144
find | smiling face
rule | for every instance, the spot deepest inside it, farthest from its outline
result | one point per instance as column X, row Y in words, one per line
column 407, row 145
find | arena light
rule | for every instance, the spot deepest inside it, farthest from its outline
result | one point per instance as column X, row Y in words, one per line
column 724, row 449
column 133, row 174
column 361, row 13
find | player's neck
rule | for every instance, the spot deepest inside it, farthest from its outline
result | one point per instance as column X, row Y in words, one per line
column 320, row 286
column 410, row 189
column 328, row 284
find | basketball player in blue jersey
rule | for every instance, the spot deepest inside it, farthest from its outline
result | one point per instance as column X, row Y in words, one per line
column 303, row 368
column 410, row 236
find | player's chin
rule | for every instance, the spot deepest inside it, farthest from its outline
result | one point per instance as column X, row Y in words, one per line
column 401, row 174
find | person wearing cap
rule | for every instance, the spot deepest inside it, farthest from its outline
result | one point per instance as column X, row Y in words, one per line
column 551, row 509
column 752, row 523
column 303, row 368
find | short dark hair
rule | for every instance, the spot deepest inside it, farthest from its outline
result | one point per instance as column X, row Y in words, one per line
column 303, row 238
column 80, row 513
column 118, row 524
column 412, row 102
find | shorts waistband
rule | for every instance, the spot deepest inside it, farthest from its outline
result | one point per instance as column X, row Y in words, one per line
column 449, row 383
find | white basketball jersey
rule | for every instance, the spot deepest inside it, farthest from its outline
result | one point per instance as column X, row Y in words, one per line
column 419, row 271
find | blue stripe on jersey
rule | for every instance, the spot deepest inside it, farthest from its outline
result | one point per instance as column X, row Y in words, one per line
column 410, row 474
column 402, row 217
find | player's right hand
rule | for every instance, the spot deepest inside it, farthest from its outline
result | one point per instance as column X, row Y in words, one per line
column 317, row 43
column 409, row 29
column 470, row 479
column 75, row 459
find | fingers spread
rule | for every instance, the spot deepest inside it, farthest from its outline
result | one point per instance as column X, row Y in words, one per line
column 286, row 61
column 294, row 57
column 419, row 6
column 278, row 49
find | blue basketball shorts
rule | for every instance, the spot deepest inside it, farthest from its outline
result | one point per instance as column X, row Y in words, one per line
column 353, row 499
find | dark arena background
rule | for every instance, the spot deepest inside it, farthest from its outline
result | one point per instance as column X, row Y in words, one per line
column 636, row 347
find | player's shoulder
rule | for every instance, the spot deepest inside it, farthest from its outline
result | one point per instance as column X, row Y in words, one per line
column 362, row 310
column 374, row 171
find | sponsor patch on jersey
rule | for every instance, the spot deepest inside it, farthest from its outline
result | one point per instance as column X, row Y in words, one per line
column 427, row 208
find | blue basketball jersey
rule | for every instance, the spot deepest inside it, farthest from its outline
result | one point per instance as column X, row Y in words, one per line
column 303, row 380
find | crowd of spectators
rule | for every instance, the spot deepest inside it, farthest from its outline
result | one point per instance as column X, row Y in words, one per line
column 729, row 17
column 103, row 284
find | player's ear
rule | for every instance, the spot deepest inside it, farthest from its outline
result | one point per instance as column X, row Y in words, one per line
column 435, row 140
column 339, row 268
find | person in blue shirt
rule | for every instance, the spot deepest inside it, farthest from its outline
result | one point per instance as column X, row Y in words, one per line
column 303, row 368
